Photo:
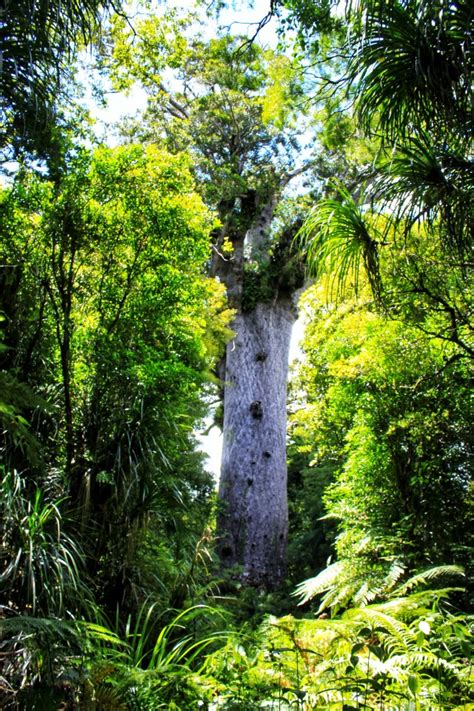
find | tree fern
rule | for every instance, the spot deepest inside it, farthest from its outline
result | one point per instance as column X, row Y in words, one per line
column 405, row 607
column 341, row 585
column 374, row 618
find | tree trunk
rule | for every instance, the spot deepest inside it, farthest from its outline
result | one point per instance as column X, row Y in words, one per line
column 253, row 518
column 261, row 280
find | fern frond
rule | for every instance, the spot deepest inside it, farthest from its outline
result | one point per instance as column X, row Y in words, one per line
column 100, row 634
column 319, row 584
column 367, row 594
column 373, row 617
column 393, row 576
column 427, row 576
column 428, row 660
column 108, row 699
column 414, row 604
column 395, row 667
column 25, row 626
column 338, row 596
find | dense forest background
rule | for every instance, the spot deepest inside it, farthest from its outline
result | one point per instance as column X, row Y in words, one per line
column 321, row 167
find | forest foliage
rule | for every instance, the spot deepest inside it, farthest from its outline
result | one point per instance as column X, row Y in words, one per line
column 113, row 327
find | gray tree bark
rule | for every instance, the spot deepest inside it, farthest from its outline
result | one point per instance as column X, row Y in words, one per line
column 253, row 514
column 252, row 521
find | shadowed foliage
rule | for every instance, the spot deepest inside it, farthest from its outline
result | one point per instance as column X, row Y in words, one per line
column 38, row 39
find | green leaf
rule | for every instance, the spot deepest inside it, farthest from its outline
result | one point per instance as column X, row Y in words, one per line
column 413, row 684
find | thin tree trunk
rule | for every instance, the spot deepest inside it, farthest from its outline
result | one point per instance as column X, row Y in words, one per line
column 253, row 518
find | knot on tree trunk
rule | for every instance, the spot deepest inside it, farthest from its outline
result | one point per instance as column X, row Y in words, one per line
column 256, row 410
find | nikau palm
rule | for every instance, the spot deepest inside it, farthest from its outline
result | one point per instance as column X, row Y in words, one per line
column 338, row 236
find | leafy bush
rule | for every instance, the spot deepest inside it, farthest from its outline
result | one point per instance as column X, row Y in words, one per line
column 406, row 653
column 40, row 561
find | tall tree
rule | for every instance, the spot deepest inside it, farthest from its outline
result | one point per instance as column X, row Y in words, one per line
column 235, row 111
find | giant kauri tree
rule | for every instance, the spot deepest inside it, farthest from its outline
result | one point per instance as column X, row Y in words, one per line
column 235, row 112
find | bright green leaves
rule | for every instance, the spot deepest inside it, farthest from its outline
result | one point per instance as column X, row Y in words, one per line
column 112, row 318
column 143, row 313
column 229, row 103
column 144, row 52
column 386, row 409
column 277, row 106
column 366, row 657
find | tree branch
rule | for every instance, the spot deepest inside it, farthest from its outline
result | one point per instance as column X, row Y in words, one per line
column 174, row 104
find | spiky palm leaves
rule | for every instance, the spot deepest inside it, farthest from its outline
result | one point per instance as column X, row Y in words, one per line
column 409, row 70
column 429, row 184
column 37, row 38
column 40, row 563
column 412, row 65
column 338, row 237
column 160, row 666
column 412, row 77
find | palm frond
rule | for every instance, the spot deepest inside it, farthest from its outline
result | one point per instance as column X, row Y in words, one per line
column 38, row 38
column 338, row 239
column 427, row 183
column 411, row 66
